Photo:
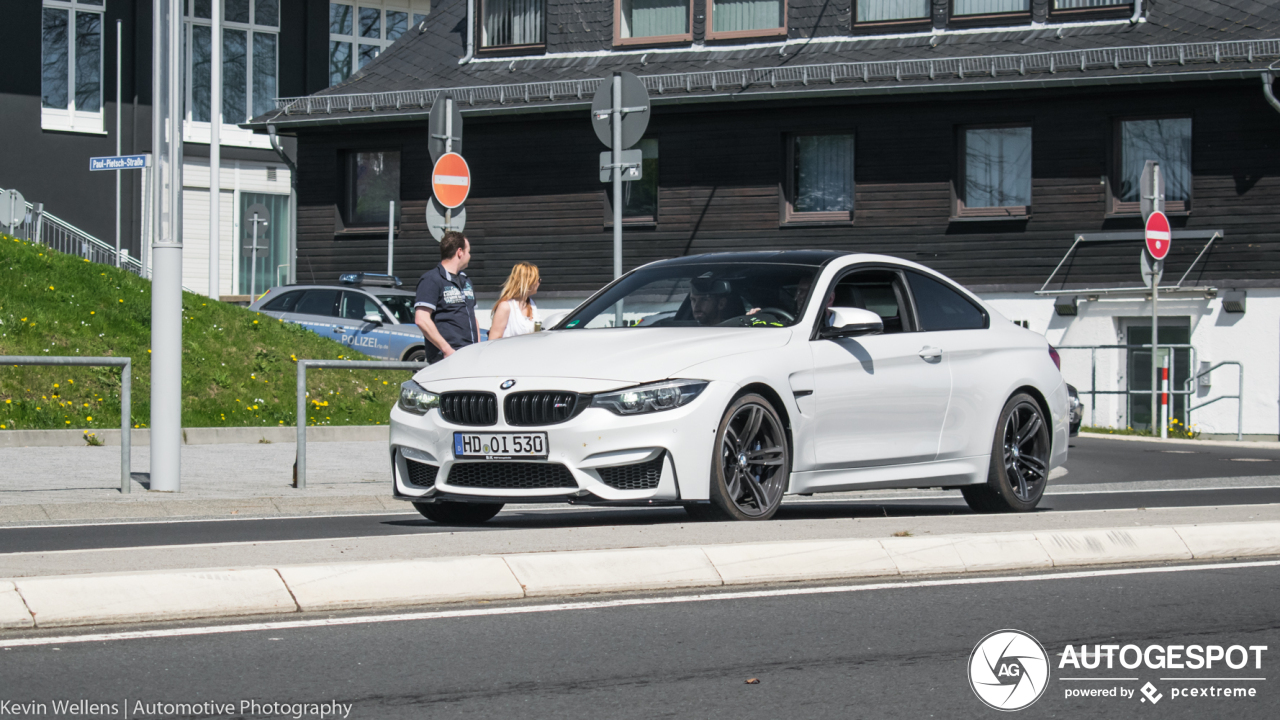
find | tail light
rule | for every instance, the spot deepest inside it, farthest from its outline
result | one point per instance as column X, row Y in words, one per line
column 1057, row 359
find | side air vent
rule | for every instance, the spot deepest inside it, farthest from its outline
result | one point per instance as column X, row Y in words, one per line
column 421, row 474
column 640, row 476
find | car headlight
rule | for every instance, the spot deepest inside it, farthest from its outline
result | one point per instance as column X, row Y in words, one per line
column 415, row 399
column 650, row 398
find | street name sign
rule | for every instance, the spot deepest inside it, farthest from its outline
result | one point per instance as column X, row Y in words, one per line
column 451, row 180
column 120, row 162
column 1159, row 236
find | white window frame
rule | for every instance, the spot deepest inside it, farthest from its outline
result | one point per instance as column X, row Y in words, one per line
column 230, row 133
column 71, row 119
column 417, row 11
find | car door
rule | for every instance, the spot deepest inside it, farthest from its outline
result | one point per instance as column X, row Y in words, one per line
column 368, row 338
column 317, row 310
column 960, row 328
column 881, row 399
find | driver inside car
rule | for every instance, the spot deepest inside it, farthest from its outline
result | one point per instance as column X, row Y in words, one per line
column 712, row 301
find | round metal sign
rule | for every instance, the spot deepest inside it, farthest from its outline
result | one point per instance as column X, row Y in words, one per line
column 440, row 219
column 1159, row 236
column 451, row 180
column 634, row 97
column 13, row 208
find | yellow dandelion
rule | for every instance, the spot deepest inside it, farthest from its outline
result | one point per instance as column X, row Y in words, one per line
column 90, row 418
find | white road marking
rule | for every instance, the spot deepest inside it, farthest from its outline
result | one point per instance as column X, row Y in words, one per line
column 605, row 604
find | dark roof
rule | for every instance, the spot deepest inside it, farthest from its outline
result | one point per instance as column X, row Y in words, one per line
column 1178, row 39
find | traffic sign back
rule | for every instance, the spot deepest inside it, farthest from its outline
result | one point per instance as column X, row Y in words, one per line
column 635, row 99
column 451, row 180
column 1159, row 236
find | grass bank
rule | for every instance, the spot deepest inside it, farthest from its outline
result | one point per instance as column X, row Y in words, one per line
column 239, row 367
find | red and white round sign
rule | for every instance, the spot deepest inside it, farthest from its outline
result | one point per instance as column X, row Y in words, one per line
column 1159, row 236
column 451, row 180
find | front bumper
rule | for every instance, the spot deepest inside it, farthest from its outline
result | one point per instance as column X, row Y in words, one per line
column 653, row 458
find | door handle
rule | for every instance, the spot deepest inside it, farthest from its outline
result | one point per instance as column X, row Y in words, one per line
column 930, row 353
column 339, row 329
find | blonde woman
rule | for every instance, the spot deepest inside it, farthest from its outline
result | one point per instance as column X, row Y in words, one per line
column 515, row 312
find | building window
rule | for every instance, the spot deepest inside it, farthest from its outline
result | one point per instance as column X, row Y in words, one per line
column 373, row 182
column 653, row 21
column 512, row 23
column 995, row 164
column 747, row 18
column 820, row 178
column 71, row 65
column 358, row 32
column 895, row 11
column 1165, row 140
column 961, row 8
column 268, row 266
column 1091, row 4
column 250, row 42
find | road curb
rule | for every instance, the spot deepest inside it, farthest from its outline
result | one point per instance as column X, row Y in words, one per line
column 197, row 436
column 189, row 594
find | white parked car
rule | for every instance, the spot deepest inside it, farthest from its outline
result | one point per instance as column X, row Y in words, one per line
column 765, row 374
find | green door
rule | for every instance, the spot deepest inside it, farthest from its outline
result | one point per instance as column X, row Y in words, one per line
column 272, row 257
column 1173, row 331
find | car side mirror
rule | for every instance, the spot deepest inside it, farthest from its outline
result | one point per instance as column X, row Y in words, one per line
column 373, row 318
column 850, row 322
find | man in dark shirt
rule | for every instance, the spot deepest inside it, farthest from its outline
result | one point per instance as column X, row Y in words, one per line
column 445, row 306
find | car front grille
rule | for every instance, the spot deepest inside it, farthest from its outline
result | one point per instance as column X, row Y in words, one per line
column 511, row 475
column 541, row 408
column 422, row 474
column 639, row 476
column 469, row 408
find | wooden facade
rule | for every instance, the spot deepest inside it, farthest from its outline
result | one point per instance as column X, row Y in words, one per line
column 536, row 194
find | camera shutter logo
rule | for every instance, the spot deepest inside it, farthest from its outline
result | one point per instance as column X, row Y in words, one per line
column 1008, row 670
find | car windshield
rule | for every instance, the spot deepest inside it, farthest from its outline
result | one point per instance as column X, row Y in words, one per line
column 701, row 295
column 401, row 306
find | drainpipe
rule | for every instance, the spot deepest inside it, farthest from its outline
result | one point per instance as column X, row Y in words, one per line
column 1267, row 79
column 1137, row 13
column 471, row 30
column 293, row 204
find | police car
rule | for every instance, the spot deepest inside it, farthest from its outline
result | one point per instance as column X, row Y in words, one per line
column 371, row 313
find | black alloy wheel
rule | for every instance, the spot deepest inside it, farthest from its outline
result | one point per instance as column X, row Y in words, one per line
column 1019, row 470
column 458, row 513
column 752, row 466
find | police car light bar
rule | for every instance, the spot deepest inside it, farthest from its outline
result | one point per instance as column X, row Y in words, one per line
column 376, row 279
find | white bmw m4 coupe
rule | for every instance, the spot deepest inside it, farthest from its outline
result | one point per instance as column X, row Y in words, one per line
column 724, row 382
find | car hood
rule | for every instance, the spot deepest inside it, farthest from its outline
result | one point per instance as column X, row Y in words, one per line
column 629, row 356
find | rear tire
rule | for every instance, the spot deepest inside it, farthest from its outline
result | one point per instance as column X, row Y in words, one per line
column 1019, row 469
column 458, row 513
column 418, row 355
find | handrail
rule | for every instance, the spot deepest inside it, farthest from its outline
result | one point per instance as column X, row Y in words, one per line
column 126, row 399
column 1238, row 397
column 1093, row 392
column 301, row 480
column 69, row 239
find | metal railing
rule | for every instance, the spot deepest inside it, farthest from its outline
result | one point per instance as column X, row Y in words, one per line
column 1093, row 392
column 55, row 233
column 1238, row 397
column 301, row 480
column 989, row 66
column 126, row 397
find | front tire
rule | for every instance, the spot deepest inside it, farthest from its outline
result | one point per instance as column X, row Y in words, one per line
column 458, row 513
column 752, row 464
column 1019, row 469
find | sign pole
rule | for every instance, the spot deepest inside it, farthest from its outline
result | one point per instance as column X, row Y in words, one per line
column 119, row 35
column 617, row 189
column 1158, row 206
column 448, row 148
column 215, row 154
column 391, row 238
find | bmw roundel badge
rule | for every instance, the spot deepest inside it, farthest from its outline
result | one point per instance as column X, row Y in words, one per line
column 507, row 385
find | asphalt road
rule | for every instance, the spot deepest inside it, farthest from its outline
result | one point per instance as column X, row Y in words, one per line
column 901, row 651
column 1092, row 461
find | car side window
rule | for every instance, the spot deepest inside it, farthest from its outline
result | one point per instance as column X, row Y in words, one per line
column 356, row 305
column 942, row 308
column 284, row 303
column 318, row 302
column 879, row 291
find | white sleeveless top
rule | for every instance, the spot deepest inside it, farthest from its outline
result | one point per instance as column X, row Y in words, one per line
column 517, row 323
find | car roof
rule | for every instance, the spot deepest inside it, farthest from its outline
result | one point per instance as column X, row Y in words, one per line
column 815, row 258
column 375, row 290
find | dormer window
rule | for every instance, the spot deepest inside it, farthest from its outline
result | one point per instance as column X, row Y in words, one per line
column 512, row 23
column 652, row 22
column 963, row 9
column 896, row 12
column 746, row 18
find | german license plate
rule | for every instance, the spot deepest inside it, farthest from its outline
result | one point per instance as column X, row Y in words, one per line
column 500, row 446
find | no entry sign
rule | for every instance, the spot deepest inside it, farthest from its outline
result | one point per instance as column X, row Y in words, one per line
column 451, row 180
column 1159, row 237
